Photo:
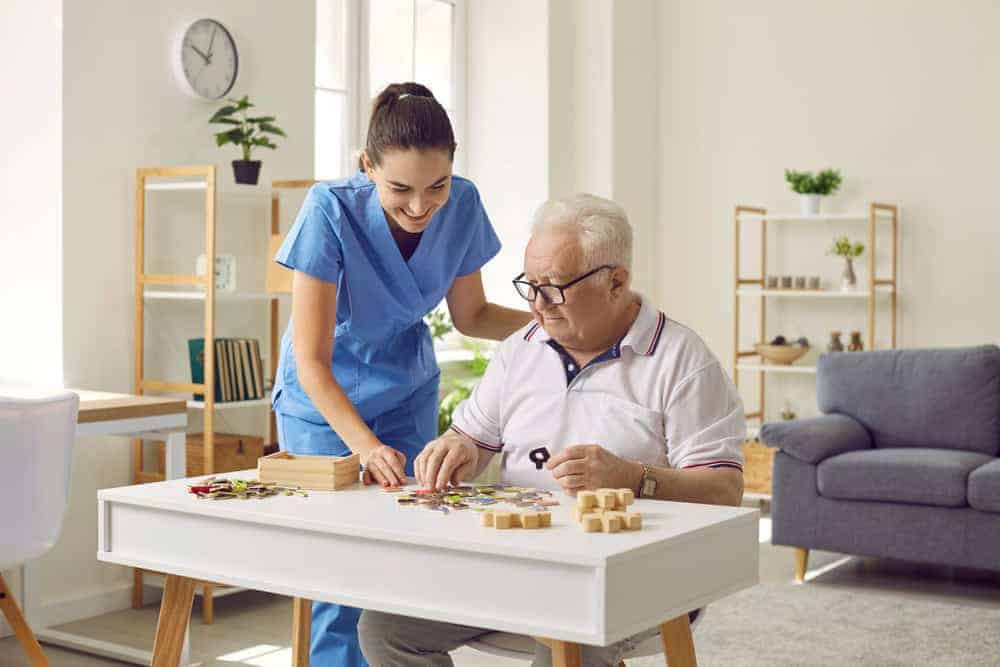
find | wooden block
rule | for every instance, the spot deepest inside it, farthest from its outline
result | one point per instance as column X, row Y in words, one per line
column 578, row 514
column 633, row 521
column 487, row 518
column 586, row 499
column 515, row 520
column 591, row 523
column 530, row 520
column 606, row 498
column 625, row 497
column 610, row 522
column 502, row 520
column 545, row 519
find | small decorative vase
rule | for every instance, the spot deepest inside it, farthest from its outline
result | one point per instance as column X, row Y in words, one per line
column 855, row 345
column 809, row 204
column 246, row 172
column 835, row 345
column 848, row 281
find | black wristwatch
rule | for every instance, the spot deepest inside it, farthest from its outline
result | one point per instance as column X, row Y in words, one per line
column 647, row 485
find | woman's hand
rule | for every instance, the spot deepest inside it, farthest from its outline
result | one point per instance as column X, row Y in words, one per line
column 384, row 465
column 451, row 459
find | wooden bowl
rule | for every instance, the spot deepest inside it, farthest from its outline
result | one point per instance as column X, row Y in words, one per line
column 783, row 355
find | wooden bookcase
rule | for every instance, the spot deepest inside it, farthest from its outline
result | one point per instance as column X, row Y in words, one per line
column 880, row 293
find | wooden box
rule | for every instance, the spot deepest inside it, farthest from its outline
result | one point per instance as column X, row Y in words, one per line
column 320, row 473
column 758, row 459
column 232, row 452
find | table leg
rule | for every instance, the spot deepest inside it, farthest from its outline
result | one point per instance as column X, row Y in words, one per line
column 678, row 645
column 565, row 654
column 171, row 628
column 301, row 631
column 20, row 627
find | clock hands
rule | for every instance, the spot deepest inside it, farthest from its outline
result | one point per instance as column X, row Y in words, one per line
column 212, row 41
column 206, row 57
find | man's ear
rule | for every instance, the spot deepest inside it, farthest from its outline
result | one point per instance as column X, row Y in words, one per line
column 619, row 279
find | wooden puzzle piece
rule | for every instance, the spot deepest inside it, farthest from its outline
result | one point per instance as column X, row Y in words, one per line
column 606, row 510
column 505, row 520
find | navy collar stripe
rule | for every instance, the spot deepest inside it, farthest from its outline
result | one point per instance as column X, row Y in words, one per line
column 656, row 336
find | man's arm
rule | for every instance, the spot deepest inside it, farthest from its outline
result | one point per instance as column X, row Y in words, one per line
column 712, row 486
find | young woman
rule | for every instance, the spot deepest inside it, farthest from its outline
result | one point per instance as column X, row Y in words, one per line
column 372, row 254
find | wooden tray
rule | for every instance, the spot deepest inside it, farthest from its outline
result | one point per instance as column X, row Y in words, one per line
column 319, row 473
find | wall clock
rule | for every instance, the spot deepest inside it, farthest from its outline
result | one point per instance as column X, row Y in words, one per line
column 206, row 60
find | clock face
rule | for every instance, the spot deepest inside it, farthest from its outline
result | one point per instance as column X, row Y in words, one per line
column 208, row 59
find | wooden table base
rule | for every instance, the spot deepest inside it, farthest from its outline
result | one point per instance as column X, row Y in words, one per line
column 175, row 612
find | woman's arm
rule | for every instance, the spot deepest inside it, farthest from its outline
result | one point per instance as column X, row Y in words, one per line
column 475, row 317
column 314, row 318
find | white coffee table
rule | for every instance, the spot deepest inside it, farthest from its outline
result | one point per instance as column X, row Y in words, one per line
column 357, row 547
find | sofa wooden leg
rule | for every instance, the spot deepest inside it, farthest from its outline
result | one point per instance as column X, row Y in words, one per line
column 15, row 619
column 801, row 562
column 565, row 654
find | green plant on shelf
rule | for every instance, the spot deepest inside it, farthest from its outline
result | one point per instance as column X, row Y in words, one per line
column 842, row 247
column 806, row 183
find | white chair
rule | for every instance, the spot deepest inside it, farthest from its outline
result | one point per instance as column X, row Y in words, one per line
column 522, row 647
column 37, row 430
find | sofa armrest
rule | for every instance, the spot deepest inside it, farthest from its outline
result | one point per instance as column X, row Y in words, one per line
column 817, row 438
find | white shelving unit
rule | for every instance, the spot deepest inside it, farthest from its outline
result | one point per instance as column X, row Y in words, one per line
column 880, row 292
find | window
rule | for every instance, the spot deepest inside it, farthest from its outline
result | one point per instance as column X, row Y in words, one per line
column 362, row 46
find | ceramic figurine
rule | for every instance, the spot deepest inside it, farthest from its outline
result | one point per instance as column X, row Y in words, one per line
column 835, row 344
column 855, row 345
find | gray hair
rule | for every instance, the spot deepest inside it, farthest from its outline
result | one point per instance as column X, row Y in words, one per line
column 600, row 224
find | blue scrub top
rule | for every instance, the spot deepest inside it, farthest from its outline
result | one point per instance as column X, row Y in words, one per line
column 382, row 350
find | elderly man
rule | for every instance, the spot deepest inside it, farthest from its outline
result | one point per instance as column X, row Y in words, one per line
column 619, row 394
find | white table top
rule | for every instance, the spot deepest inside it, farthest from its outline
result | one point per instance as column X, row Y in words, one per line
column 373, row 513
column 359, row 548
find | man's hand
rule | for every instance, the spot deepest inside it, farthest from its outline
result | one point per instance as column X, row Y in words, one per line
column 451, row 459
column 589, row 467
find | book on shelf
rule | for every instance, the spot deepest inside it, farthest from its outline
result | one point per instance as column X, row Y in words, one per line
column 238, row 368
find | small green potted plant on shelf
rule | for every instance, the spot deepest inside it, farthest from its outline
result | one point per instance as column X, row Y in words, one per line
column 842, row 247
column 247, row 132
column 812, row 187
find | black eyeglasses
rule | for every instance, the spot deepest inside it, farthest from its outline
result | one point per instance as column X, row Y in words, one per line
column 554, row 294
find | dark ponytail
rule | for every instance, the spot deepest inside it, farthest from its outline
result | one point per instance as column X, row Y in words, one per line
column 406, row 115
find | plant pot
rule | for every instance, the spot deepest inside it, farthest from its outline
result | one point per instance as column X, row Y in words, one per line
column 848, row 281
column 809, row 204
column 246, row 172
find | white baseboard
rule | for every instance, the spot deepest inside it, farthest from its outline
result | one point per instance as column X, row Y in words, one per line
column 90, row 604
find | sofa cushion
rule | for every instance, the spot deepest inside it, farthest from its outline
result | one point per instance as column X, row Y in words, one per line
column 984, row 487
column 918, row 476
column 944, row 399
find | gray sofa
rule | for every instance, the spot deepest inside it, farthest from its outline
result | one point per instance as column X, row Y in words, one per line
column 903, row 463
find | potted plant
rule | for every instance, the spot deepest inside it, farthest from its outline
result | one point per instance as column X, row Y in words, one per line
column 842, row 247
column 247, row 132
column 813, row 186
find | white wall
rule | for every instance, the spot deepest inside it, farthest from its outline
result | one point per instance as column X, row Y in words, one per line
column 901, row 96
column 123, row 110
column 508, row 128
column 31, row 234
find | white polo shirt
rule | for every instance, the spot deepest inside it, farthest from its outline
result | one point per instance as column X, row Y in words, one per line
column 659, row 396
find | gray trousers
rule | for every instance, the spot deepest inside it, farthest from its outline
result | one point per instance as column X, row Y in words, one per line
column 388, row 640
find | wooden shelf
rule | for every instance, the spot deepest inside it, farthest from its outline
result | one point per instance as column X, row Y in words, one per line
column 177, row 295
column 777, row 368
column 177, row 185
column 822, row 217
column 880, row 290
column 225, row 405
